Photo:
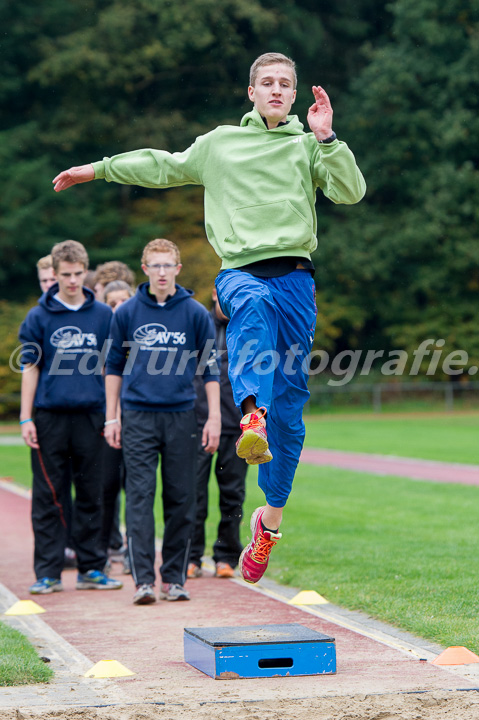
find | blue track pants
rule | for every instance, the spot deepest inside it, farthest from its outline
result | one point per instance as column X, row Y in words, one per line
column 269, row 338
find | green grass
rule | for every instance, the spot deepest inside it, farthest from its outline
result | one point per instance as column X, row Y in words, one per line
column 15, row 464
column 400, row 550
column 450, row 438
column 19, row 661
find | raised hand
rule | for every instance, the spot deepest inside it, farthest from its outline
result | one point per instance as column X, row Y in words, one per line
column 73, row 176
column 320, row 114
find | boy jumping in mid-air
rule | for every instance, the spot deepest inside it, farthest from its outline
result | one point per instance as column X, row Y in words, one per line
column 260, row 183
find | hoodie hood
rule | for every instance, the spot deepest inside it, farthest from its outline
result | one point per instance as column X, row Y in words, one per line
column 170, row 302
column 254, row 120
column 48, row 302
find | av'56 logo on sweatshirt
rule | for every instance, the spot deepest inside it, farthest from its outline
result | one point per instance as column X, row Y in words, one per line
column 72, row 338
column 154, row 334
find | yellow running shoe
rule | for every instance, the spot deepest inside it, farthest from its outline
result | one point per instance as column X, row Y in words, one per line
column 252, row 445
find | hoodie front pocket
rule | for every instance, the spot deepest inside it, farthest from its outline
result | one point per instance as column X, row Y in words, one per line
column 272, row 225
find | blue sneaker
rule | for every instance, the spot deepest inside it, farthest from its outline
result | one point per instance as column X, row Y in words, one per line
column 97, row 580
column 46, row 585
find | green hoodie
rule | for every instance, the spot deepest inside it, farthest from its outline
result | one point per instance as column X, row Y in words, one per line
column 260, row 184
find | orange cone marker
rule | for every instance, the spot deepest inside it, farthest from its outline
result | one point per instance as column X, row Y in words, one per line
column 456, row 655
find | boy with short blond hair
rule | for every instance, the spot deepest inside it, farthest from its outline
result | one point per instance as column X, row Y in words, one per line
column 260, row 182
column 61, row 419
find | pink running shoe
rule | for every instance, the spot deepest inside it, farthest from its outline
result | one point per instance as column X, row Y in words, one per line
column 254, row 558
column 252, row 445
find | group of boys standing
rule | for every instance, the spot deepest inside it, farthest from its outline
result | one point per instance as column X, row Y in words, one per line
column 152, row 348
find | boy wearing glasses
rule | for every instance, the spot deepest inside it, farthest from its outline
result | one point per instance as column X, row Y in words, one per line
column 260, row 183
column 160, row 339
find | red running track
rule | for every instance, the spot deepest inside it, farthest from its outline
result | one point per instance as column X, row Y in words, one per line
column 389, row 465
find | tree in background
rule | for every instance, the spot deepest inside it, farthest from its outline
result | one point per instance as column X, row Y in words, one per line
column 91, row 78
column 405, row 267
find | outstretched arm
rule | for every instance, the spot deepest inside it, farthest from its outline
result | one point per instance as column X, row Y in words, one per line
column 147, row 168
column 73, row 176
column 320, row 114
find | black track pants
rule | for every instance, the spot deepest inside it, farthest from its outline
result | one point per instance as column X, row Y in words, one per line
column 145, row 436
column 75, row 440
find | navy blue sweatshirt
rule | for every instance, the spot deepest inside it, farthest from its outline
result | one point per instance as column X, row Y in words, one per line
column 69, row 348
column 157, row 349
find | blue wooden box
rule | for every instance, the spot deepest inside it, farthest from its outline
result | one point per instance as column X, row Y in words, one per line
column 227, row 653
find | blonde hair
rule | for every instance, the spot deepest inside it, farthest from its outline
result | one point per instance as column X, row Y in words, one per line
column 45, row 263
column 271, row 59
column 69, row 251
column 161, row 245
column 114, row 270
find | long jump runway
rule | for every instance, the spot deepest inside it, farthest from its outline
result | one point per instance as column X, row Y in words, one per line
column 80, row 628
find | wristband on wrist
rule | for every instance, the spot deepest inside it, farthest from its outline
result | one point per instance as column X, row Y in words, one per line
column 328, row 139
column 111, row 422
column 22, row 422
